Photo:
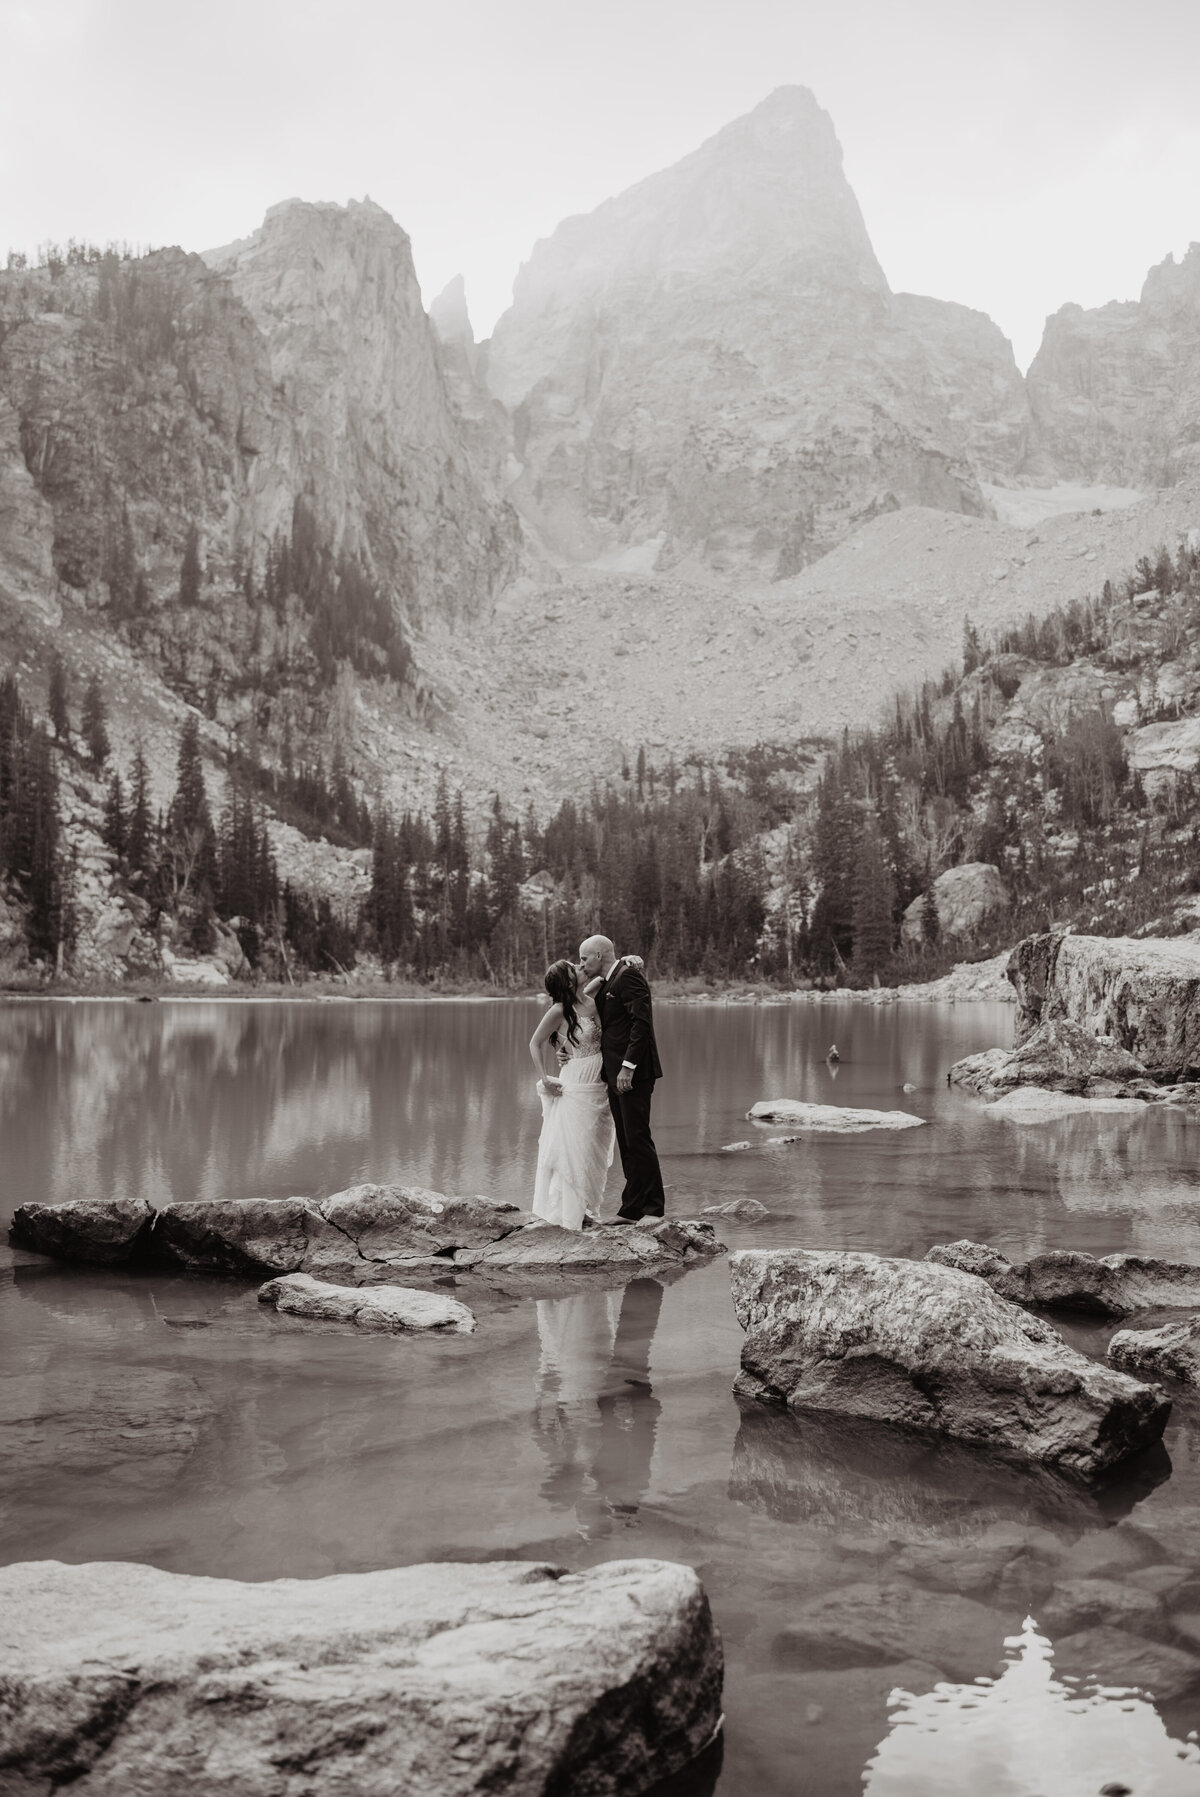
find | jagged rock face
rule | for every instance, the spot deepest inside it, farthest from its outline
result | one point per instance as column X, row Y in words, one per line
column 713, row 363
column 1144, row 995
column 1059, row 1056
column 333, row 291
column 296, row 364
column 1115, row 392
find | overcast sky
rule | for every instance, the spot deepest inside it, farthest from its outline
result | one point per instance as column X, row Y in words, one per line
column 1011, row 156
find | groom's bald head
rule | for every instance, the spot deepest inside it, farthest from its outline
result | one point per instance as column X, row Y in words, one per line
column 596, row 955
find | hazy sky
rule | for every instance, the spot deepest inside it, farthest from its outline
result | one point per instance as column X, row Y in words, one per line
column 1012, row 156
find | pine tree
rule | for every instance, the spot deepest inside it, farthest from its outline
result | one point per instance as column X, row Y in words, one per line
column 191, row 838
column 115, row 828
column 189, row 569
column 60, row 717
column 94, row 725
column 874, row 904
column 140, row 823
column 931, row 923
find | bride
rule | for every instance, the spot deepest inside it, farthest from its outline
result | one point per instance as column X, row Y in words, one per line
column 576, row 1146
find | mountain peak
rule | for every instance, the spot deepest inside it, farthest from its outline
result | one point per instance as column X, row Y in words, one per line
column 449, row 315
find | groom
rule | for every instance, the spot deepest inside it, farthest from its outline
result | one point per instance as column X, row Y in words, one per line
column 630, row 1068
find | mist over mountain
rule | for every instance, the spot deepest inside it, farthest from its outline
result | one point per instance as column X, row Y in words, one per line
column 264, row 487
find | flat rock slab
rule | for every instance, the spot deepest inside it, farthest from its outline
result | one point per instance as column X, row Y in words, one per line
column 1116, row 1285
column 387, row 1309
column 439, row 1681
column 838, row 1119
column 362, row 1236
column 1172, row 1352
column 1035, row 1104
column 934, row 1348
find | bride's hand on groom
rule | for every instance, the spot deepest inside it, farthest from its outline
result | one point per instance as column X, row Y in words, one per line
column 550, row 1086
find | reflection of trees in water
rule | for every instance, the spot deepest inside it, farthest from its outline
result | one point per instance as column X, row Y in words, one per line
column 228, row 1100
column 595, row 1415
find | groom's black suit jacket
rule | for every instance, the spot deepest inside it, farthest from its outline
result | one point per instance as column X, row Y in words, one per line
column 627, row 1025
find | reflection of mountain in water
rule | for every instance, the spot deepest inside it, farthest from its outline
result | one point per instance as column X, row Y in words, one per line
column 1026, row 1733
column 839, row 1472
column 595, row 1415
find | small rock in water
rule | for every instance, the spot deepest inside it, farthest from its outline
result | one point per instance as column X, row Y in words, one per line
column 908, row 1086
column 749, row 1210
column 388, row 1309
column 736, row 1147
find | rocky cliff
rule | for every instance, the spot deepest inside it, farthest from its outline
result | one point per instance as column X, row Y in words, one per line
column 144, row 400
column 1115, row 392
column 713, row 364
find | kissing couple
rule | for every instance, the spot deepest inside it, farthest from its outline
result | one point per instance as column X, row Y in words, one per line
column 600, row 1025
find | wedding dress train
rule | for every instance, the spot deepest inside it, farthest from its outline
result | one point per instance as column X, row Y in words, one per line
column 577, row 1142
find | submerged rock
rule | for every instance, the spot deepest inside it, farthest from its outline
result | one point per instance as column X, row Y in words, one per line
column 1172, row 1352
column 440, row 1679
column 363, row 1236
column 933, row 1348
column 390, row 1309
column 124, row 1429
column 873, row 1624
column 1059, row 1056
column 836, row 1118
column 746, row 1210
column 1115, row 1286
column 1034, row 1104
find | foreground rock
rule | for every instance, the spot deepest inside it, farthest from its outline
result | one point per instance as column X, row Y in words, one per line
column 1058, row 1056
column 1115, row 1286
column 933, row 1348
column 1143, row 995
column 1172, row 1352
column 362, row 1236
column 438, row 1680
column 388, row 1309
column 838, row 1119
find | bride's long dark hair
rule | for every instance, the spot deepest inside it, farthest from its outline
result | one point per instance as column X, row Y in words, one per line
column 560, row 984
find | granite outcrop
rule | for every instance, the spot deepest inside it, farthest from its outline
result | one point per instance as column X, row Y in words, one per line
column 444, row 1679
column 934, row 1348
column 1112, row 1285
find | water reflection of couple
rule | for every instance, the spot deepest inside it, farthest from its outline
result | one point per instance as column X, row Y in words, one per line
column 596, row 1415
column 600, row 1026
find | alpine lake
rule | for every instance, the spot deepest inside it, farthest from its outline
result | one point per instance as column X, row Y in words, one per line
column 899, row 1617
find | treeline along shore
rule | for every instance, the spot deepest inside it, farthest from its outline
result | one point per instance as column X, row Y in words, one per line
column 1059, row 754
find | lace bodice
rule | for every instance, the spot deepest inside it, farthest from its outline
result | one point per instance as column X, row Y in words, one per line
column 588, row 1042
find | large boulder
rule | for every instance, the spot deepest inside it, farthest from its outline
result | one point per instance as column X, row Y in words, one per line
column 444, row 1680
column 933, row 1348
column 238, row 1235
column 647, row 1246
column 1144, row 996
column 1172, row 1352
column 385, row 1309
column 106, row 1231
column 965, row 896
column 1116, row 1285
column 1058, row 1056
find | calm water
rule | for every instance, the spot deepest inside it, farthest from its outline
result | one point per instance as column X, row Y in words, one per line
column 872, row 1591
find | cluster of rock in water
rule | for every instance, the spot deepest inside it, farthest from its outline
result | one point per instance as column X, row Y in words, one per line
column 610, row 1677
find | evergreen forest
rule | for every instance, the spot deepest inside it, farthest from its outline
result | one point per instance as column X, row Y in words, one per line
column 789, row 863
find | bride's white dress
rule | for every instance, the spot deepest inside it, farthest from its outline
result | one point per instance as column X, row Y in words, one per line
column 577, row 1142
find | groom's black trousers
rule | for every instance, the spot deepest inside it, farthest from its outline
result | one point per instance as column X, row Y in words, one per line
column 643, row 1195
